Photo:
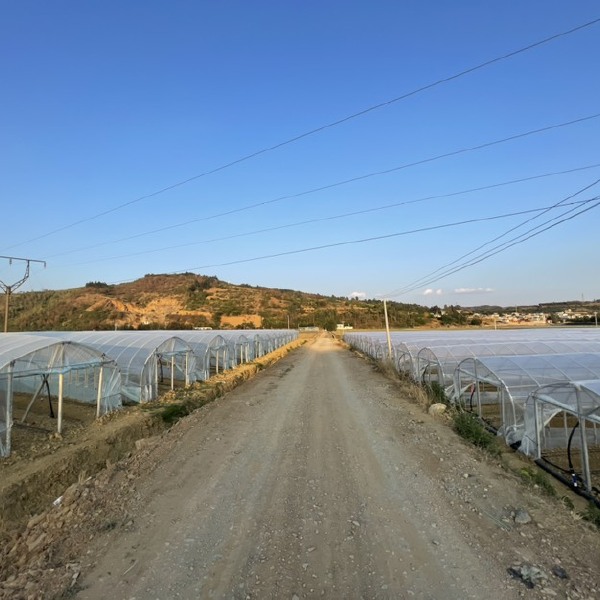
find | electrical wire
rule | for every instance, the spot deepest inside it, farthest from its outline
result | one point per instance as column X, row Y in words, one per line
column 363, row 240
column 500, row 248
column 343, row 182
column 477, row 259
column 259, row 231
column 432, row 277
column 318, row 129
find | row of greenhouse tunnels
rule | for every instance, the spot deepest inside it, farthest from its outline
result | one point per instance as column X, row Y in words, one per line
column 538, row 389
column 104, row 370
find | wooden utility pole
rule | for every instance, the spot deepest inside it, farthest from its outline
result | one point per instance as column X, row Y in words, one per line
column 10, row 288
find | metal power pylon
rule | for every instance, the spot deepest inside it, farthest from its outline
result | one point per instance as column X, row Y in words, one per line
column 10, row 288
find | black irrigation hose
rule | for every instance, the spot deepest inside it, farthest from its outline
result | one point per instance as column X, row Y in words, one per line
column 576, row 478
column 545, row 465
column 556, row 467
column 49, row 397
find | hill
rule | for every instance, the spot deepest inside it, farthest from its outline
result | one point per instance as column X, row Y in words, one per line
column 188, row 300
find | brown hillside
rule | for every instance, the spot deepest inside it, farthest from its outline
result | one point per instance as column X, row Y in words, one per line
column 188, row 300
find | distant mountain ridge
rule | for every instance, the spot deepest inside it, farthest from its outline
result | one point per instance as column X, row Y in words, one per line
column 189, row 300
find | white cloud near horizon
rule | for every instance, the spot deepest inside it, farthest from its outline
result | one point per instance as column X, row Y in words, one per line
column 432, row 292
column 473, row 290
column 358, row 295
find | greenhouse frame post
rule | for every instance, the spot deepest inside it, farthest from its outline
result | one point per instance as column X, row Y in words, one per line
column 7, row 298
column 172, row 372
column 99, row 396
column 61, row 381
column 9, row 407
column 585, row 457
column 478, row 391
column 387, row 329
column 536, row 421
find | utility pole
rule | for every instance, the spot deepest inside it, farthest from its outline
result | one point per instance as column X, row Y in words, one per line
column 387, row 329
column 10, row 288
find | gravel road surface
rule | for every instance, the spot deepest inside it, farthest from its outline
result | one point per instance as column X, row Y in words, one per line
column 315, row 480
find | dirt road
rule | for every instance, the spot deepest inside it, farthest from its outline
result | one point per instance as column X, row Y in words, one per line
column 315, row 480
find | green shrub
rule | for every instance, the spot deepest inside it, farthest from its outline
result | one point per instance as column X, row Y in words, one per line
column 173, row 412
column 471, row 429
column 436, row 392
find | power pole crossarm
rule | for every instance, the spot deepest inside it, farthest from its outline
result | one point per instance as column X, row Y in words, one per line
column 9, row 288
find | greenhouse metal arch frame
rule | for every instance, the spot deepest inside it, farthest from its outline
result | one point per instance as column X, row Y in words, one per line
column 513, row 378
column 579, row 400
column 24, row 358
column 139, row 355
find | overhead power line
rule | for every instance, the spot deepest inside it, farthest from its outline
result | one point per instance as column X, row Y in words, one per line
column 445, row 271
column 326, row 219
column 427, row 279
column 345, row 182
column 321, row 128
column 518, row 240
column 364, row 240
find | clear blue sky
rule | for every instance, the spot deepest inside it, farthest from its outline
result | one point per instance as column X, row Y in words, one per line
column 105, row 103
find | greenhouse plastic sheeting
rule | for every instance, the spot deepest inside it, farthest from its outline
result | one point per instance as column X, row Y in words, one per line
column 546, row 433
column 27, row 360
column 140, row 355
column 238, row 345
column 578, row 398
column 437, row 362
column 407, row 344
column 515, row 377
column 263, row 341
column 210, row 349
column 258, row 339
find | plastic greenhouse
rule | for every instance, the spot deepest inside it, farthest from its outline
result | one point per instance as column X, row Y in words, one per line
column 406, row 354
column 497, row 387
column 31, row 363
column 238, row 345
column 210, row 349
column 562, row 432
column 144, row 357
column 406, row 345
column 437, row 363
column 263, row 341
column 258, row 343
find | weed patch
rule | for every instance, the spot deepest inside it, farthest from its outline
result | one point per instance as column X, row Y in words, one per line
column 436, row 393
column 535, row 477
column 567, row 502
column 173, row 412
column 470, row 429
column 592, row 514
